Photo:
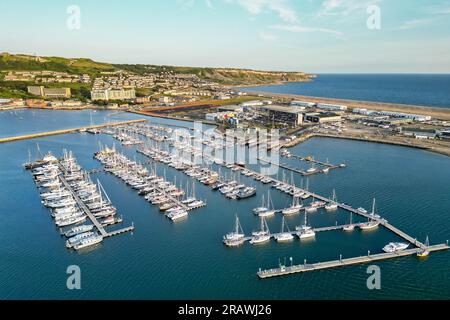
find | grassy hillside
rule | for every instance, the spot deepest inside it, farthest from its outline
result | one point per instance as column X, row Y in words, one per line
column 222, row 75
column 74, row 66
column 232, row 77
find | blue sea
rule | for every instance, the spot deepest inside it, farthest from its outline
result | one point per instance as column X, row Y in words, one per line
column 187, row 260
column 412, row 89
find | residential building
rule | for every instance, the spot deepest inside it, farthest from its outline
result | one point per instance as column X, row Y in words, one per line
column 49, row 92
column 113, row 94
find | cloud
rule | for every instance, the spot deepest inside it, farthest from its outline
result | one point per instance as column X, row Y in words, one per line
column 280, row 7
column 410, row 24
column 301, row 29
column 345, row 7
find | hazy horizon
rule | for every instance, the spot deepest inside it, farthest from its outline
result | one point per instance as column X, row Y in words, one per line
column 314, row 36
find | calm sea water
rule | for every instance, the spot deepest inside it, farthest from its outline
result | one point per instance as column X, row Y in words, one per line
column 186, row 260
column 420, row 89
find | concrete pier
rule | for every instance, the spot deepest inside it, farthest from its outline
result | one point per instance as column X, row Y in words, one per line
column 66, row 131
column 288, row 270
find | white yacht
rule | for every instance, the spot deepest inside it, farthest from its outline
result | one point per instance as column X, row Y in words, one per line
column 284, row 236
column 77, row 239
column 332, row 206
column 350, row 226
column 305, row 231
column 236, row 237
column 177, row 215
column 88, row 242
column 262, row 235
column 77, row 230
column 395, row 247
column 294, row 209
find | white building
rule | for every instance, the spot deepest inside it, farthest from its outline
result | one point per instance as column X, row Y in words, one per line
column 113, row 94
column 255, row 103
column 164, row 99
column 415, row 117
column 335, row 107
column 303, row 104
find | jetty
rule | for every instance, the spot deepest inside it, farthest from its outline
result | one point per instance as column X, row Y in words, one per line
column 302, row 172
column 316, row 230
column 88, row 212
column 67, row 131
column 370, row 258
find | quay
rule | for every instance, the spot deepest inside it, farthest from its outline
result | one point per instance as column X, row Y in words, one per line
column 288, row 270
column 88, row 212
column 66, row 131
column 316, row 230
column 296, row 170
column 81, row 204
column 312, row 160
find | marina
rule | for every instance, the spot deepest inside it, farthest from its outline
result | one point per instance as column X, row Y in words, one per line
column 220, row 212
column 73, row 198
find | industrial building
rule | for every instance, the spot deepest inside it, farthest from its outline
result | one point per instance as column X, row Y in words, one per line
column 113, row 94
column 303, row 104
column 49, row 92
column 286, row 114
column 335, row 107
column 322, row 117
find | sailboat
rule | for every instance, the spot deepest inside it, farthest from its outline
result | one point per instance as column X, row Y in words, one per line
column 263, row 235
column 332, row 206
column 313, row 168
column 371, row 223
column 284, row 236
column 305, row 231
column 422, row 253
column 350, row 227
column 256, row 211
column 294, row 209
column 236, row 237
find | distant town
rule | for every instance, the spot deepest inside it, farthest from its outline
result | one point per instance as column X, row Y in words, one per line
column 187, row 96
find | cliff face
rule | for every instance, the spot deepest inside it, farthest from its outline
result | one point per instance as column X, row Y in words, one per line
column 252, row 77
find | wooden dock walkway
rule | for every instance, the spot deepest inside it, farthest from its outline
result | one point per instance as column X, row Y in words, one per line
column 325, row 164
column 88, row 212
column 81, row 204
column 288, row 270
column 66, row 131
column 296, row 170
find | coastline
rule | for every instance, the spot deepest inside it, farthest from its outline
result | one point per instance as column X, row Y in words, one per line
column 439, row 113
column 303, row 138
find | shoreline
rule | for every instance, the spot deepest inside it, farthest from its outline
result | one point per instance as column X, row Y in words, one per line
column 436, row 112
column 66, row 131
column 309, row 136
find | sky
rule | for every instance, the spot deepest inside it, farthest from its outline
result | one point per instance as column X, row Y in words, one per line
column 316, row 36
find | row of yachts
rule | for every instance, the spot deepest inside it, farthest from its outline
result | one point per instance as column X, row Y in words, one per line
column 237, row 237
column 232, row 188
column 64, row 199
column 166, row 195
